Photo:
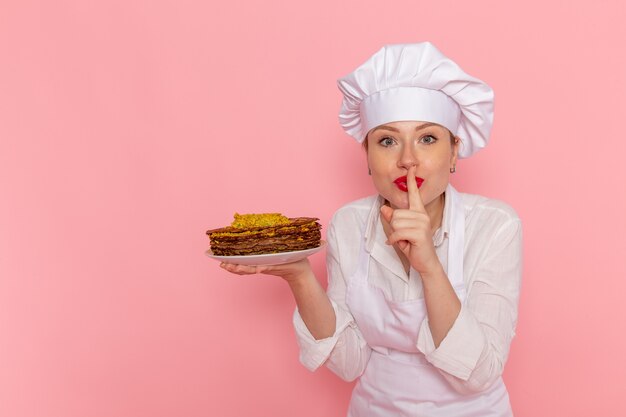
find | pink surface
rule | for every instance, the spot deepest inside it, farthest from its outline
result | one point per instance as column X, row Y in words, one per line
column 128, row 128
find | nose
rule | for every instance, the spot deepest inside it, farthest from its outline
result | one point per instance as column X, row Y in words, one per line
column 408, row 157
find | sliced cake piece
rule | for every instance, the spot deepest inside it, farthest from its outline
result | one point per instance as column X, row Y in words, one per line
column 255, row 234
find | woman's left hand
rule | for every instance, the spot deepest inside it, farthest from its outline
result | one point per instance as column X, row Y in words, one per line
column 411, row 230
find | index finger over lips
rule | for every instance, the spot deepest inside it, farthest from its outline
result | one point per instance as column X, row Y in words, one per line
column 415, row 199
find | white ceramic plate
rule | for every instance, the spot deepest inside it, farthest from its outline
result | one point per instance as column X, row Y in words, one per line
column 269, row 258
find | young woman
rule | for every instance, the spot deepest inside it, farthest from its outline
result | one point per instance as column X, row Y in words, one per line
column 424, row 281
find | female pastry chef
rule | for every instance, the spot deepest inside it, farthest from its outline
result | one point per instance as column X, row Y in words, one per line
column 424, row 281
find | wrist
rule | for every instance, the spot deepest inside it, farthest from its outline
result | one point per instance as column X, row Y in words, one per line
column 299, row 273
column 431, row 271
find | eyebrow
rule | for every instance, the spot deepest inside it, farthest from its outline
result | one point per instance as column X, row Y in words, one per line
column 393, row 129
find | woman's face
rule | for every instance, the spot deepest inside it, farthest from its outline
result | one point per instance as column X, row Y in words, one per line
column 393, row 147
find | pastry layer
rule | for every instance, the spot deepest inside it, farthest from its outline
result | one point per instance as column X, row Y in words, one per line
column 298, row 234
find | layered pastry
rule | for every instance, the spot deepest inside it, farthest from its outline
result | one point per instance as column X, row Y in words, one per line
column 255, row 234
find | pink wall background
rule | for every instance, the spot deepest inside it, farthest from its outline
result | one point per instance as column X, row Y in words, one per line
column 128, row 128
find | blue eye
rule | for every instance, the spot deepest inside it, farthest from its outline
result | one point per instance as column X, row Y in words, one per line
column 386, row 141
column 428, row 139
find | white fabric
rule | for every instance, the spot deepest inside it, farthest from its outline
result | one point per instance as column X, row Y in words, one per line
column 472, row 356
column 416, row 82
column 398, row 380
column 409, row 103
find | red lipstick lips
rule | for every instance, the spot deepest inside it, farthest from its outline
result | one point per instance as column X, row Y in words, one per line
column 401, row 183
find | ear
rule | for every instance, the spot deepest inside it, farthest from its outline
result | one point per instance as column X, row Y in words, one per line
column 367, row 154
column 455, row 151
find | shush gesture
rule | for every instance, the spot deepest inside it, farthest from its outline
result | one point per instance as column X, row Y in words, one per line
column 411, row 230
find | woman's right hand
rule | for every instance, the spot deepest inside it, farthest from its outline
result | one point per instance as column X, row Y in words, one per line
column 290, row 272
column 313, row 304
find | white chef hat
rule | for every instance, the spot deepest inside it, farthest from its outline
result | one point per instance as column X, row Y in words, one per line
column 416, row 82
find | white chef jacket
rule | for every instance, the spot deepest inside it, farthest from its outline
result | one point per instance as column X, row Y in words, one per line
column 473, row 353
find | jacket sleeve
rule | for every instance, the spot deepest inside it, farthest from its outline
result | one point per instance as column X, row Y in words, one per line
column 345, row 353
column 473, row 353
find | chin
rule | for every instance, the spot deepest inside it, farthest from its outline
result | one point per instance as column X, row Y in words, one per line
column 398, row 199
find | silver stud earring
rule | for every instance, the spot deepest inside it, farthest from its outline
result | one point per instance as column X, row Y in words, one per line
column 453, row 169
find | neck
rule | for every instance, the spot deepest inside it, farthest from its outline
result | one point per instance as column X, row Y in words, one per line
column 435, row 211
